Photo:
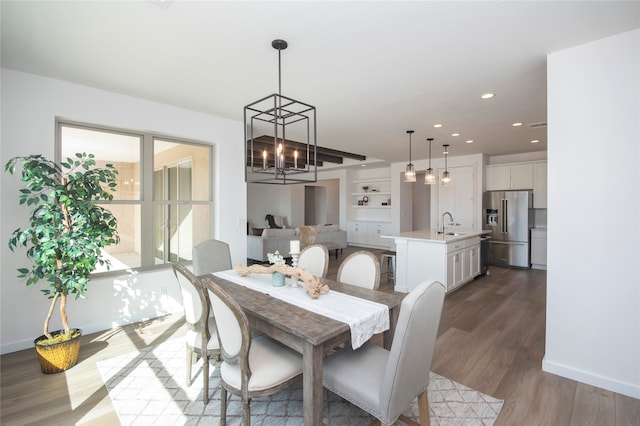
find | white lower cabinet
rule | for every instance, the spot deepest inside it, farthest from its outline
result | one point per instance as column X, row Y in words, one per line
column 474, row 260
column 539, row 249
column 357, row 233
column 454, row 269
column 463, row 262
column 368, row 234
column 377, row 229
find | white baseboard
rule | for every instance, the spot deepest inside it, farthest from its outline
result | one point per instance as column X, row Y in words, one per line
column 617, row 386
column 87, row 329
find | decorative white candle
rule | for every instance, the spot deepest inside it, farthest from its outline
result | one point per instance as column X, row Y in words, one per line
column 279, row 156
column 295, row 159
column 294, row 246
column 264, row 159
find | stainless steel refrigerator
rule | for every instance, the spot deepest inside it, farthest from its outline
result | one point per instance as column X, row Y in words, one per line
column 508, row 214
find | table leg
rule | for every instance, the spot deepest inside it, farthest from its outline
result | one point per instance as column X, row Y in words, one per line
column 387, row 336
column 312, row 384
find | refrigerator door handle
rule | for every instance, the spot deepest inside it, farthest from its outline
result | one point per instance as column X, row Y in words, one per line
column 508, row 243
column 503, row 215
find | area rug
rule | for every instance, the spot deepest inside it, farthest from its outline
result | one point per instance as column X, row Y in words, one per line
column 148, row 388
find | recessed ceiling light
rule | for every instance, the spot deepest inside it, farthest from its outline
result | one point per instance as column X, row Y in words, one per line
column 363, row 165
column 517, row 124
column 535, row 141
column 455, row 134
column 437, row 125
column 487, row 96
column 469, row 141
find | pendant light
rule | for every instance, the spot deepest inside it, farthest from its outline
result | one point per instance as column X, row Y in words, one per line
column 270, row 157
column 429, row 176
column 446, row 176
column 410, row 171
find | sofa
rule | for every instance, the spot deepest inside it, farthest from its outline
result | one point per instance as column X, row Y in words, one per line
column 331, row 236
column 269, row 241
column 272, row 239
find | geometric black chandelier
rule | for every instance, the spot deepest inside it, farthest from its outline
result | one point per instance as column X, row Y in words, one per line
column 288, row 155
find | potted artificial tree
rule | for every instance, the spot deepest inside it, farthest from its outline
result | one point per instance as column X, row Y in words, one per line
column 64, row 239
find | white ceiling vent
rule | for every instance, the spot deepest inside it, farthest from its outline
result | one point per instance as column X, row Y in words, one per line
column 537, row 125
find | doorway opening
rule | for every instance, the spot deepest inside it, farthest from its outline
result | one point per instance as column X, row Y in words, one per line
column 322, row 202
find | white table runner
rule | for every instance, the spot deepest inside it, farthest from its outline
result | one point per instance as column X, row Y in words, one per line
column 365, row 318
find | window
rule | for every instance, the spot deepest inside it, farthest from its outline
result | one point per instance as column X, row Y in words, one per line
column 164, row 197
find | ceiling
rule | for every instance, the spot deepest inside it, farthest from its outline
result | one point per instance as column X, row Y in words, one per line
column 372, row 69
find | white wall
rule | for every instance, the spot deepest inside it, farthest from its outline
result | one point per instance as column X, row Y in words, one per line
column 29, row 107
column 265, row 199
column 421, row 198
column 593, row 275
column 288, row 200
column 326, row 202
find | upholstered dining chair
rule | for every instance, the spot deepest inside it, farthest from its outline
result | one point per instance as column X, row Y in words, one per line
column 385, row 382
column 211, row 256
column 201, row 338
column 315, row 259
column 251, row 367
column 360, row 268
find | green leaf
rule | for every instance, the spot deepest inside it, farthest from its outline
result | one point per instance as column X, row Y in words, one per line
column 46, row 238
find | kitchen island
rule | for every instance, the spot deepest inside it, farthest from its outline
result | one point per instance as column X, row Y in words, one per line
column 452, row 257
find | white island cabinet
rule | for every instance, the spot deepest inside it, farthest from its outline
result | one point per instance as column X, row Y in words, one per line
column 453, row 260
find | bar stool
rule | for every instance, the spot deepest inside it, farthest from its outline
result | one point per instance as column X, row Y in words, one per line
column 389, row 257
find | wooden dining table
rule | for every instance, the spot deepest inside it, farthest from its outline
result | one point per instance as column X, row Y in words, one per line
column 310, row 334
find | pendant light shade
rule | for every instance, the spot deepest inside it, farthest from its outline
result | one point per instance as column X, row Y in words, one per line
column 280, row 137
column 410, row 171
column 446, row 176
column 429, row 176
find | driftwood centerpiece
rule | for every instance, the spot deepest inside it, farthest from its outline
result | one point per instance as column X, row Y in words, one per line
column 311, row 283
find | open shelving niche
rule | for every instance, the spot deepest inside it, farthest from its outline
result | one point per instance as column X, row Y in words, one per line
column 378, row 208
column 368, row 222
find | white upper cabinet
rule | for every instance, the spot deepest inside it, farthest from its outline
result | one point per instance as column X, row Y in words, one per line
column 509, row 176
column 531, row 175
column 522, row 176
column 498, row 177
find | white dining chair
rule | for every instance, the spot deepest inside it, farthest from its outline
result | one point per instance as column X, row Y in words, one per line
column 384, row 382
column 211, row 256
column 201, row 337
column 315, row 259
column 250, row 367
column 360, row 268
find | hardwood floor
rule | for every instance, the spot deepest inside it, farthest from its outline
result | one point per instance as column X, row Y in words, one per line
column 491, row 338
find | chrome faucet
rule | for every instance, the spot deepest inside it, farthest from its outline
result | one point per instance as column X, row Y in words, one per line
column 442, row 218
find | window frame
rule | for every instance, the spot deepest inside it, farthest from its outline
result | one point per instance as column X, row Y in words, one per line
column 146, row 199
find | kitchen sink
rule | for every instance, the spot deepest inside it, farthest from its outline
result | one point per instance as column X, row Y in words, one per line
column 455, row 233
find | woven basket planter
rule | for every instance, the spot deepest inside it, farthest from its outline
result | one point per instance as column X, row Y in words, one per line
column 58, row 357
